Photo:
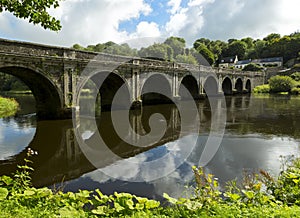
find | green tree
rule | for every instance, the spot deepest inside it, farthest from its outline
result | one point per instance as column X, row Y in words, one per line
column 272, row 37
column 206, row 53
column 281, row 84
column 188, row 59
column 34, row 10
column 235, row 48
column 177, row 44
column 157, row 50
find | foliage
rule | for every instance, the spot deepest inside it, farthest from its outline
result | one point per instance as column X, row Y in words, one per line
column 177, row 44
column 9, row 82
column 253, row 67
column 281, row 84
column 189, row 59
column 260, row 195
column 206, row 53
column 262, row 89
column 36, row 11
column 295, row 91
column 157, row 50
column 235, row 48
column 295, row 76
column 8, row 107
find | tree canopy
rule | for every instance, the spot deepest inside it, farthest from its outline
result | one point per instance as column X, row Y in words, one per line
column 34, row 10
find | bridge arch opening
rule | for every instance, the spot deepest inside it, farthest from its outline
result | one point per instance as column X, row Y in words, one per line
column 191, row 88
column 210, row 86
column 153, row 86
column 248, row 86
column 239, row 86
column 109, row 87
column 227, row 86
column 48, row 98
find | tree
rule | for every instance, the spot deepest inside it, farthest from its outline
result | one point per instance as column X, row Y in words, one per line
column 206, row 53
column 188, row 59
column 235, row 48
column 35, row 10
column 272, row 37
column 157, row 50
column 281, row 84
column 177, row 44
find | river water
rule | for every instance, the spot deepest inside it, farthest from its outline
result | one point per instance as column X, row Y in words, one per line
column 259, row 131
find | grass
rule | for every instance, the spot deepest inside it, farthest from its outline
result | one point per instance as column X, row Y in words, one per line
column 8, row 107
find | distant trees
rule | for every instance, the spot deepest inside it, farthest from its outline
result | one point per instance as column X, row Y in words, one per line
column 174, row 49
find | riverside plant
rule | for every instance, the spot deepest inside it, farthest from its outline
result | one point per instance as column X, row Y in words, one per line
column 8, row 107
column 260, row 195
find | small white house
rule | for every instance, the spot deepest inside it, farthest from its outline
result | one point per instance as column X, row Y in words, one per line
column 228, row 61
column 265, row 62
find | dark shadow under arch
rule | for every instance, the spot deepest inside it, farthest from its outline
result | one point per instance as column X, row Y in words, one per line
column 239, row 86
column 48, row 99
column 211, row 86
column 190, row 83
column 110, row 84
column 248, row 86
column 227, row 86
column 152, row 88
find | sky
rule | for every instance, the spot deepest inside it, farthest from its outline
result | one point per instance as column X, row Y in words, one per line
column 89, row 22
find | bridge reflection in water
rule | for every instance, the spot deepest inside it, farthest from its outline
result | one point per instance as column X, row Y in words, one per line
column 61, row 159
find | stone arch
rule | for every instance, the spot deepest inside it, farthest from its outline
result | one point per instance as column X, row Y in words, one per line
column 227, row 86
column 107, row 85
column 248, row 86
column 210, row 86
column 239, row 86
column 156, row 89
column 48, row 96
column 191, row 85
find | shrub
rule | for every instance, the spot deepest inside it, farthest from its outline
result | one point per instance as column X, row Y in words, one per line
column 253, row 67
column 281, row 84
column 295, row 91
column 296, row 76
column 262, row 89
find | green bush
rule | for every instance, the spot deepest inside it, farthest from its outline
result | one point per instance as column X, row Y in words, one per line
column 281, row 84
column 295, row 91
column 253, row 67
column 8, row 107
column 262, row 89
column 296, row 76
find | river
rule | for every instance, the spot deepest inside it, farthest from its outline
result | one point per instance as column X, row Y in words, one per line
column 260, row 129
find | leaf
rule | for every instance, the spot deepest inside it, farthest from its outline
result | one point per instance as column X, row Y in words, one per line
column 170, row 199
column 7, row 180
column 118, row 207
column 29, row 192
column 3, row 193
column 152, row 204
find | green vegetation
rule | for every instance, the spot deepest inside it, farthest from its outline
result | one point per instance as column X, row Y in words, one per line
column 262, row 89
column 35, row 11
column 259, row 195
column 8, row 107
column 174, row 49
column 253, row 67
column 9, row 82
column 281, row 84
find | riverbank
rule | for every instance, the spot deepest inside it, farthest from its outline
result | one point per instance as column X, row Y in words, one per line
column 8, row 107
column 260, row 196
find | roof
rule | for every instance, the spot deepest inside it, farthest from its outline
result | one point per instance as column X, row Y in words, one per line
column 243, row 62
column 268, row 60
column 227, row 60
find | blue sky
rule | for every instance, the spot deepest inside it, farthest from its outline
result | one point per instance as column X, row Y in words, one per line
column 98, row 21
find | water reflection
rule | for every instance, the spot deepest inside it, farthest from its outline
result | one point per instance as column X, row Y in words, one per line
column 258, row 131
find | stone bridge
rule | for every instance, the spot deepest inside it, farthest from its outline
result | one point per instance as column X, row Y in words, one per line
column 58, row 76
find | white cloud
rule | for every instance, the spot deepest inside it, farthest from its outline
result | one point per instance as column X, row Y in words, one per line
column 175, row 6
column 146, row 29
column 84, row 22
